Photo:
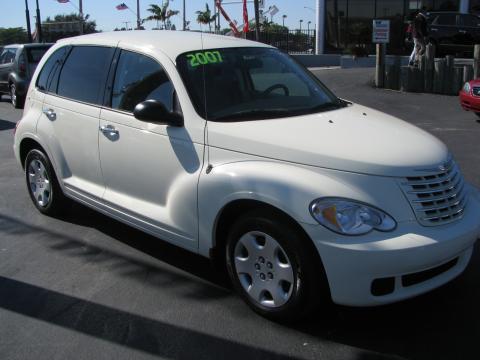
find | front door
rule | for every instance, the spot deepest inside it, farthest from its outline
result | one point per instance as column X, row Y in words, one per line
column 150, row 170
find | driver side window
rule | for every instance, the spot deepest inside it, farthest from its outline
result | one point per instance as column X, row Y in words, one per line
column 139, row 78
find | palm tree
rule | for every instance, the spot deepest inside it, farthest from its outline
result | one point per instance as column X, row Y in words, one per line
column 161, row 13
column 206, row 17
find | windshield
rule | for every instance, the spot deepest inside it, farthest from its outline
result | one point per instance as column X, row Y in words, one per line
column 238, row 84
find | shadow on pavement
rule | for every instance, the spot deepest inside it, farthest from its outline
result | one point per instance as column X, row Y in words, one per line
column 444, row 324
column 6, row 125
column 120, row 327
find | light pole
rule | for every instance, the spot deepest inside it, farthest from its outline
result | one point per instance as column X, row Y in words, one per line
column 301, row 21
column 308, row 26
column 27, row 14
column 283, row 20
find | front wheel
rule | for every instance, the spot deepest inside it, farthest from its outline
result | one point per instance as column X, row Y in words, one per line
column 42, row 184
column 272, row 266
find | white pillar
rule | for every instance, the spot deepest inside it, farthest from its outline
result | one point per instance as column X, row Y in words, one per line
column 464, row 5
column 320, row 29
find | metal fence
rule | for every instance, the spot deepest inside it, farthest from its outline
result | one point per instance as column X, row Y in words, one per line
column 291, row 41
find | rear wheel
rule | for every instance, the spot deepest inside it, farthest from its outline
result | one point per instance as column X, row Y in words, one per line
column 17, row 100
column 272, row 266
column 42, row 184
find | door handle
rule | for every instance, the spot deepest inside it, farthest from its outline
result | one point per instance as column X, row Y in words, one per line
column 462, row 31
column 50, row 114
column 433, row 29
column 108, row 130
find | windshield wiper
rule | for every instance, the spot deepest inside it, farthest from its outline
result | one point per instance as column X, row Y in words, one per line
column 252, row 115
column 328, row 106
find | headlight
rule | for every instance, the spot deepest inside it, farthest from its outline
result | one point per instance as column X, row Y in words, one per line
column 466, row 87
column 349, row 217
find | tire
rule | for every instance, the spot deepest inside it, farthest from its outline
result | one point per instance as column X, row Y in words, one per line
column 42, row 184
column 17, row 100
column 258, row 272
column 478, row 114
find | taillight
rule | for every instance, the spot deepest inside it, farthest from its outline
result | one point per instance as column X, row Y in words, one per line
column 22, row 65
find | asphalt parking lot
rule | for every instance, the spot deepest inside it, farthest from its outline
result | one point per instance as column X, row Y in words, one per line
column 87, row 287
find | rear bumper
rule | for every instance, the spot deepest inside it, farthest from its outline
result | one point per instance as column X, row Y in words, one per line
column 415, row 259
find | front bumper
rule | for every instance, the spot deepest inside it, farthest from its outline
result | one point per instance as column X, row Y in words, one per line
column 469, row 102
column 352, row 264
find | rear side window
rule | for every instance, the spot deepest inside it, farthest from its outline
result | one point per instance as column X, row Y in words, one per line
column 139, row 78
column 446, row 19
column 83, row 75
column 48, row 78
column 34, row 55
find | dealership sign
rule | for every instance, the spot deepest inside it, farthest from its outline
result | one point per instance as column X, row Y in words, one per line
column 381, row 31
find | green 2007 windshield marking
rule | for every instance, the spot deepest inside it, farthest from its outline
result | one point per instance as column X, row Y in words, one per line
column 205, row 57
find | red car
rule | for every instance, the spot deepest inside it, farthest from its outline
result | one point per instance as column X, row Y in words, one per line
column 470, row 96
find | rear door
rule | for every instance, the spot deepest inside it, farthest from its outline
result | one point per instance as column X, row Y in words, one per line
column 71, row 119
column 7, row 58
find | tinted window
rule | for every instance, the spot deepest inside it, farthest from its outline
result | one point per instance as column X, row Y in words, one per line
column 445, row 19
column 139, row 78
column 468, row 20
column 83, row 74
column 34, row 55
column 48, row 78
column 8, row 56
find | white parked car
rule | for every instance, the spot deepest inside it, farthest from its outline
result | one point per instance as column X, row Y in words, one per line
column 230, row 149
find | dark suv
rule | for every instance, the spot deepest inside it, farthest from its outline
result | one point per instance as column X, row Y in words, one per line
column 452, row 33
column 17, row 65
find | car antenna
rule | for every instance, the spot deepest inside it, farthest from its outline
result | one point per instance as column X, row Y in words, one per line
column 205, row 136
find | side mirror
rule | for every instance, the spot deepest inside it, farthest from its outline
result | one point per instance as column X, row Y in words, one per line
column 154, row 111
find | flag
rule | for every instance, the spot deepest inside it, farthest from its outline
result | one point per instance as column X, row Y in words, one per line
column 63, row 1
column 245, row 17
column 122, row 6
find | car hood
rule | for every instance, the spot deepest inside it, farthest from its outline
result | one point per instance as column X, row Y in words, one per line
column 354, row 138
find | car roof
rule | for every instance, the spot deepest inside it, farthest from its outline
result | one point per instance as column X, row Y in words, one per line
column 172, row 43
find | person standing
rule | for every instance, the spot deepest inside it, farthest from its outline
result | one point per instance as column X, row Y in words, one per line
column 419, row 33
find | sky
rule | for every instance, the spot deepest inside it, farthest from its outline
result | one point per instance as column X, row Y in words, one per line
column 12, row 12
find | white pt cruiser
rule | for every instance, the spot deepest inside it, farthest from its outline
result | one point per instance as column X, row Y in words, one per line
column 230, row 149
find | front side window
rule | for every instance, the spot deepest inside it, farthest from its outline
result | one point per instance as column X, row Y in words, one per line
column 469, row 20
column 83, row 75
column 139, row 78
column 251, row 83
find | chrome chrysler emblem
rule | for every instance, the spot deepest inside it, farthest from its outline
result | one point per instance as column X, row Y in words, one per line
column 443, row 167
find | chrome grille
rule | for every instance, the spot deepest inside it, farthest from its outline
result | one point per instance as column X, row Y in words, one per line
column 439, row 198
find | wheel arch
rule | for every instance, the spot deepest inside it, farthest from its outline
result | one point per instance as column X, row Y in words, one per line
column 233, row 210
column 26, row 145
